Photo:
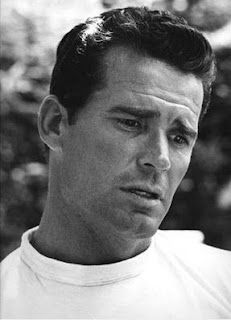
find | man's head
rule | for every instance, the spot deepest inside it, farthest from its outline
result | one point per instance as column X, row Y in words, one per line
column 80, row 67
column 130, row 86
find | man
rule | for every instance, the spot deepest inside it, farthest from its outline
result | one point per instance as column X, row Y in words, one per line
column 127, row 93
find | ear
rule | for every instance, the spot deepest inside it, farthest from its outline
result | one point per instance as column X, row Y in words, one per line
column 52, row 122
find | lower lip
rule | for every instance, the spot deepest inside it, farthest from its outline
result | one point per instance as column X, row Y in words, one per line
column 145, row 202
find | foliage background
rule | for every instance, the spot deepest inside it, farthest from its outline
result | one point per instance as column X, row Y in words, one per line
column 30, row 31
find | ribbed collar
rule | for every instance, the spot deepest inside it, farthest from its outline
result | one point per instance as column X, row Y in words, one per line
column 82, row 275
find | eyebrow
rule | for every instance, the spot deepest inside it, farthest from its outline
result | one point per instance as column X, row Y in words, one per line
column 142, row 113
column 183, row 128
column 146, row 113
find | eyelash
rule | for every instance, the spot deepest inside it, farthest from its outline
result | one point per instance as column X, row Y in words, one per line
column 184, row 140
column 134, row 125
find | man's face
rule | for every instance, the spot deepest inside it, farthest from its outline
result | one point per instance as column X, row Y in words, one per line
column 131, row 145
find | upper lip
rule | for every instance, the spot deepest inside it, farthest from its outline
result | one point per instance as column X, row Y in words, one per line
column 155, row 192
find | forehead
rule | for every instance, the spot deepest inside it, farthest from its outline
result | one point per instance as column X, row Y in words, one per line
column 138, row 77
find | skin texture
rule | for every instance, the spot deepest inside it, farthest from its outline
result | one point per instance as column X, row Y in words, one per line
column 138, row 131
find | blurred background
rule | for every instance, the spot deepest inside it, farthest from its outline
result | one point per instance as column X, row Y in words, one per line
column 30, row 31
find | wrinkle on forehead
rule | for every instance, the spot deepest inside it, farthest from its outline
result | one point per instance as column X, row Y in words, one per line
column 145, row 74
column 168, row 98
column 138, row 98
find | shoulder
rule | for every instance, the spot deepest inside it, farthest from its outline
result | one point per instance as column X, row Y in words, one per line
column 9, row 270
column 15, row 265
column 10, row 275
column 203, row 263
column 10, row 263
column 188, row 246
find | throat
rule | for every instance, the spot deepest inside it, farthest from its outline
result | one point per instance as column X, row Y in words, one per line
column 84, row 250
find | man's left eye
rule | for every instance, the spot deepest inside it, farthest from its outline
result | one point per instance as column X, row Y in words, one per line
column 181, row 140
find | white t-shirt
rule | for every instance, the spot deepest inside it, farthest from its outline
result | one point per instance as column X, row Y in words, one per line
column 175, row 278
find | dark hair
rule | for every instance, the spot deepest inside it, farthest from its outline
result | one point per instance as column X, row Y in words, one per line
column 79, row 66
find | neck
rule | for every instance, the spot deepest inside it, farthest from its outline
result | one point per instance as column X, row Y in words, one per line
column 64, row 236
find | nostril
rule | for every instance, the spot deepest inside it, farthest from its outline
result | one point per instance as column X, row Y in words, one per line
column 148, row 164
column 161, row 164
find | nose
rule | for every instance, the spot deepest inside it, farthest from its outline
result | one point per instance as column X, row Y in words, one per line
column 155, row 153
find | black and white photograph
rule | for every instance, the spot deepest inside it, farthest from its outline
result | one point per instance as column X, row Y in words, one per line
column 115, row 159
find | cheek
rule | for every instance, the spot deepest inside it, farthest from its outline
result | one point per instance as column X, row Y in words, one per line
column 178, row 170
column 112, row 154
column 93, row 161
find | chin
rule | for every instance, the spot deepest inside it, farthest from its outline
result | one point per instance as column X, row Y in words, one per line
column 146, row 231
column 143, row 227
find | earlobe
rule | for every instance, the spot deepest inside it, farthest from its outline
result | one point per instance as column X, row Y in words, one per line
column 52, row 122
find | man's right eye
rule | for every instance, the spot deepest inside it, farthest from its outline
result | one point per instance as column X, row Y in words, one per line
column 130, row 124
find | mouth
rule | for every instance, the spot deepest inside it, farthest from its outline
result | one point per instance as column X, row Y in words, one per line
column 143, row 193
